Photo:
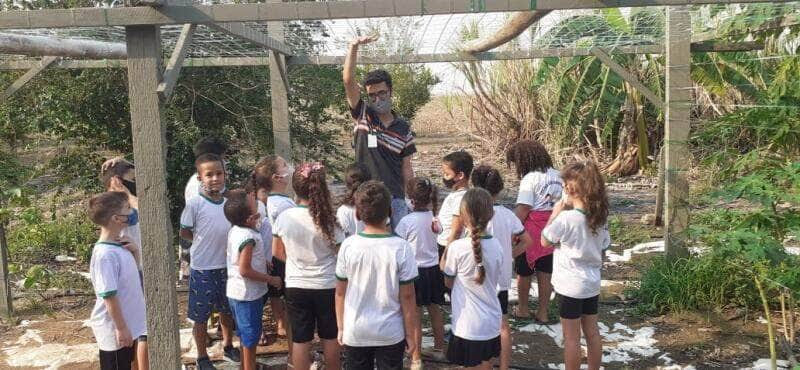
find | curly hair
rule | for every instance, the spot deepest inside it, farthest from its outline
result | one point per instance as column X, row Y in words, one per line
column 373, row 203
column 476, row 208
column 529, row 156
column 354, row 175
column 263, row 172
column 422, row 192
column 460, row 161
column 588, row 184
column 487, row 178
column 309, row 184
column 210, row 144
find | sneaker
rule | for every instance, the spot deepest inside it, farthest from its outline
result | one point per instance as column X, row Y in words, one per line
column 232, row 354
column 204, row 364
column 434, row 354
column 416, row 365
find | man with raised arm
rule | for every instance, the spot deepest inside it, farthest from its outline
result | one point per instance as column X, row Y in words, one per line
column 383, row 142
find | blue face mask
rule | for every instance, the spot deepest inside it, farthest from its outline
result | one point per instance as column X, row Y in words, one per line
column 133, row 218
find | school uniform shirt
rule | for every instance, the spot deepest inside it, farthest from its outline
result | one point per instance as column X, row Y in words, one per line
column 415, row 228
column 450, row 207
column 346, row 216
column 192, row 188
column 265, row 229
column 114, row 274
column 375, row 266
column 310, row 257
column 578, row 256
column 540, row 190
column 135, row 233
column 476, row 309
column 276, row 204
column 238, row 287
column 504, row 226
column 206, row 219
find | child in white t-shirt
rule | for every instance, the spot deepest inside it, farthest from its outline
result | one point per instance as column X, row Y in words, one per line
column 420, row 229
column 118, row 316
column 508, row 230
column 376, row 270
column 472, row 268
column 307, row 238
column 539, row 189
column 456, row 169
column 271, row 177
column 203, row 222
column 248, row 277
column 578, row 231
column 355, row 175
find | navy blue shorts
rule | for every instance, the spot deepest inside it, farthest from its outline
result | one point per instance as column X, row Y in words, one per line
column 248, row 320
column 207, row 294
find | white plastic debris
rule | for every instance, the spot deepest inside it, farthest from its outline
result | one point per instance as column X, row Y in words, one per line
column 643, row 248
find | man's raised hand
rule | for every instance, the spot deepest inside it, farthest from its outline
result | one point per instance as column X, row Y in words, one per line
column 362, row 40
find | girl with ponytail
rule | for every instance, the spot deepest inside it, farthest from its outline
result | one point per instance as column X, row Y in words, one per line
column 307, row 237
column 472, row 268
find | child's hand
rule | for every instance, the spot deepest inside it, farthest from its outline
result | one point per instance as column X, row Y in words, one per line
column 436, row 226
column 111, row 163
column 340, row 337
column 128, row 244
column 411, row 343
column 275, row 281
column 269, row 266
column 124, row 337
column 116, row 185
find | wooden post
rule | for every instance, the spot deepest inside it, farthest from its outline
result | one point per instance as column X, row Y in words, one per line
column 676, row 133
column 279, row 93
column 659, row 219
column 6, row 300
column 150, row 155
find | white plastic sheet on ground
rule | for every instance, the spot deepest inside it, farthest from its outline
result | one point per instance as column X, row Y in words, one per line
column 31, row 351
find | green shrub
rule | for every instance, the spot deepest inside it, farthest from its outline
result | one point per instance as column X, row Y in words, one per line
column 34, row 240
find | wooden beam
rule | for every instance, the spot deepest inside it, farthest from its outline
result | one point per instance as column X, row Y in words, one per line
column 150, row 155
column 628, row 77
column 20, row 82
column 775, row 24
column 723, row 46
column 173, row 69
column 37, row 46
column 676, row 131
column 265, row 12
column 6, row 300
column 253, row 35
column 279, row 96
column 514, row 26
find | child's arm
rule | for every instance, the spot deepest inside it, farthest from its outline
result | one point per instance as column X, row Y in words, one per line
column 524, row 241
column 124, row 337
column 556, row 211
column 246, row 267
column 341, row 291
column 408, row 305
column 456, row 230
column 186, row 233
column 187, row 223
column 278, row 248
column 522, row 211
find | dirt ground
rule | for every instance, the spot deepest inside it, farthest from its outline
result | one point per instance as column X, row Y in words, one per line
column 49, row 333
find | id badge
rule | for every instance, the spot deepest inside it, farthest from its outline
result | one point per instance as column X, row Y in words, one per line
column 372, row 141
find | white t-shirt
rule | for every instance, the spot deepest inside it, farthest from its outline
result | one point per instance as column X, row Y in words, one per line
column 346, row 216
column 540, row 190
column 476, row 309
column 504, row 226
column 579, row 257
column 265, row 230
column 135, row 233
column 276, row 204
column 238, row 287
column 450, row 207
column 310, row 257
column 374, row 266
column 192, row 188
column 206, row 219
column 416, row 229
column 114, row 274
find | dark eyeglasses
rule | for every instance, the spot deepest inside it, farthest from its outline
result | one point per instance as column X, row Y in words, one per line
column 383, row 94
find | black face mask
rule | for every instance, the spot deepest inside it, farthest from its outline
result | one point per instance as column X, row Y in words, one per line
column 449, row 183
column 131, row 185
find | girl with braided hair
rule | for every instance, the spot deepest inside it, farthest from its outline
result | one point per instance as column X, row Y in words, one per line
column 307, row 238
column 472, row 267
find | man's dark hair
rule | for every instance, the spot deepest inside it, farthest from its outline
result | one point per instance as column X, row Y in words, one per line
column 118, row 169
column 210, row 144
column 237, row 208
column 373, row 202
column 377, row 76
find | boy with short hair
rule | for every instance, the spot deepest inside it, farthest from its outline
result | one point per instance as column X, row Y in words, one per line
column 118, row 316
column 119, row 175
column 247, row 271
column 204, row 223
column 375, row 301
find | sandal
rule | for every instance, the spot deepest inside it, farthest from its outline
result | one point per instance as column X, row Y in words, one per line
column 517, row 316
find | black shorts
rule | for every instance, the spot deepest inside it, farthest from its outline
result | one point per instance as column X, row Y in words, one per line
column 503, row 298
column 120, row 359
column 368, row 358
column 429, row 287
column 543, row 264
column 311, row 309
column 278, row 269
column 469, row 353
column 573, row 308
